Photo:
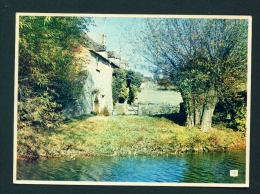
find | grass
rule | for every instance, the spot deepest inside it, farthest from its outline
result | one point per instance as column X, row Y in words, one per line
column 123, row 135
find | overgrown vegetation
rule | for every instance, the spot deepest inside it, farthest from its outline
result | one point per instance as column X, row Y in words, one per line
column 125, row 85
column 232, row 111
column 119, row 90
column 123, row 135
column 50, row 74
column 105, row 112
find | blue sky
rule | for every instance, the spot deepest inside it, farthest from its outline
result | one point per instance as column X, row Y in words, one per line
column 118, row 32
column 111, row 28
column 114, row 29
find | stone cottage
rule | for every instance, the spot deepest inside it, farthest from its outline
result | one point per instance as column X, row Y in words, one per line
column 97, row 89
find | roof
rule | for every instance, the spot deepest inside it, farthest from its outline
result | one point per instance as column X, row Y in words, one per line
column 94, row 47
column 91, row 44
column 104, row 58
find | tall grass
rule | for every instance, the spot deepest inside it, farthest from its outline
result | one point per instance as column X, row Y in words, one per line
column 123, row 135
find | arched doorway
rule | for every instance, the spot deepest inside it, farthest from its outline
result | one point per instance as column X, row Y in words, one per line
column 96, row 104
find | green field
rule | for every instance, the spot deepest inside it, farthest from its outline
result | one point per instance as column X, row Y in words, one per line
column 152, row 93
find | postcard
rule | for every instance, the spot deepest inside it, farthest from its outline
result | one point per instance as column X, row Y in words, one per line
column 137, row 100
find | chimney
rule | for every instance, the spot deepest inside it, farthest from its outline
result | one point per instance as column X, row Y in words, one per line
column 101, row 39
column 117, row 54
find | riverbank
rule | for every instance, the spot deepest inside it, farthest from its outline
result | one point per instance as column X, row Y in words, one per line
column 123, row 135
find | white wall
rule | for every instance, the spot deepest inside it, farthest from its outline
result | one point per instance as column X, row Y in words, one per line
column 98, row 83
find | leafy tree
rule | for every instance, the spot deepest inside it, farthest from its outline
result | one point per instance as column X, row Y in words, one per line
column 205, row 58
column 135, row 78
column 125, row 85
column 119, row 89
column 50, row 74
column 134, row 82
column 165, row 81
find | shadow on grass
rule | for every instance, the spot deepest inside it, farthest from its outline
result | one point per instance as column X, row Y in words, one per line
column 167, row 89
column 178, row 118
column 79, row 118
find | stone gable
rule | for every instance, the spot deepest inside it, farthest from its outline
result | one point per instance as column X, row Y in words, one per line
column 97, row 89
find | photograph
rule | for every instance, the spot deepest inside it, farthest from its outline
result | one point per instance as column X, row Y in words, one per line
column 132, row 100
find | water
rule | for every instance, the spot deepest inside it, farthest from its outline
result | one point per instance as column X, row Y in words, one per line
column 186, row 168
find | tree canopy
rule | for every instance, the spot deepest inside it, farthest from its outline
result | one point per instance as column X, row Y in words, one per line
column 205, row 58
column 165, row 81
column 125, row 85
column 49, row 72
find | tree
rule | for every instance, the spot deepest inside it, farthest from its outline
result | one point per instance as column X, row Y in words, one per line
column 125, row 85
column 119, row 87
column 50, row 74
column 134, row 82
column 165, row 81
column 205, row 58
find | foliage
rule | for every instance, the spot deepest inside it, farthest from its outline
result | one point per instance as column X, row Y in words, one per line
column 50, row 73
column 232, row 111
column 105, row 111
column 133, row 93
column 165, row 82
column 136, row 78
column 125, row 85
column 135, row 81
column 119, row 90
column 205, row 58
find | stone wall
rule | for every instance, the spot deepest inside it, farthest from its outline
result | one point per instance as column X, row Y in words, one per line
column 120, row 108
column 146, row 109
column 158, row 109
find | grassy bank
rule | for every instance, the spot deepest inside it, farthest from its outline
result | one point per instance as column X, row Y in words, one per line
column 123, row 135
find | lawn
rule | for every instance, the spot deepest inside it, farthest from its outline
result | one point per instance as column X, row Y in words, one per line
column 123, row 135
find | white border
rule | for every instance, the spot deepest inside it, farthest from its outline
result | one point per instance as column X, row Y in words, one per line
column 246, row 184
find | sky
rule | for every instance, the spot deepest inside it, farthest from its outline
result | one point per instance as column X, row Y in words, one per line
column 118, row 32
column 114, row 29
column 111, row 27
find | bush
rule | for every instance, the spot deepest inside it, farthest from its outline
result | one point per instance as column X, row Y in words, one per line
column 232, row 111
column 105, row 112
column 50, row 74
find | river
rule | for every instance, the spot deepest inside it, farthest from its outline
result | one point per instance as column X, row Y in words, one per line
column 187, row 168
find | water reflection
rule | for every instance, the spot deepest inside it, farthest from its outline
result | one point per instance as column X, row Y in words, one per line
column 215, row 167
column 198, row 168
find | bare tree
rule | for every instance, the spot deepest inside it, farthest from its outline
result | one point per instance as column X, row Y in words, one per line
column 205, row 58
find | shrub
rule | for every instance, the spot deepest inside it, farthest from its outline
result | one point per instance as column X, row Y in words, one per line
column 232, row 111
column 105, row 111
column 50, row 74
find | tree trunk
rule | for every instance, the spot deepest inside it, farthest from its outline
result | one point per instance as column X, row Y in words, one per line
column 207, row 118
column 193, row 111
column 190, row 120
column 199, row 113
column 208, row 110
column 189, row 111
column 197, row 116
